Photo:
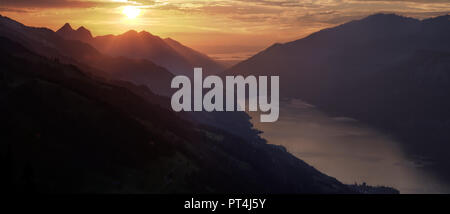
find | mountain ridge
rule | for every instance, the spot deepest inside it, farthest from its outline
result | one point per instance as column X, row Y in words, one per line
column 168, row 53
column 81, row 33
column 50, row 44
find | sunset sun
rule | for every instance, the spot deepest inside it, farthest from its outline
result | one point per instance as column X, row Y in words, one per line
column 131, row 12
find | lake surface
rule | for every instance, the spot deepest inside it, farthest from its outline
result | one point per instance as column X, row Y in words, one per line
column 346, row 149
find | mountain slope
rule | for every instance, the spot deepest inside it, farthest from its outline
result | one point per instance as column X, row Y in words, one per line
column 388, row 71
column 168, row 53
column 195, row 58
column 66, row 131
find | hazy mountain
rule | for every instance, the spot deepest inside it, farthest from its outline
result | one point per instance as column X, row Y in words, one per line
column 386, row 70
column 195, row 58
column 168, row 53
column 66, row 131
column 50, row 44
column 81, row 33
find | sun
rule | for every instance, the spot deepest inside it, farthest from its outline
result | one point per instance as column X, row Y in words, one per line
column 131, row 12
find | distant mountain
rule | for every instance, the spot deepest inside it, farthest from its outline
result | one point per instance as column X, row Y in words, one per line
column 386, row 70
column 66, row 131
column 50, row 44
column 195, row 58
column 81, row 33
column 168, row 53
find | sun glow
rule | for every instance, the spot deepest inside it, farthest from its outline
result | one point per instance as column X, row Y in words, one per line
column 131, row 12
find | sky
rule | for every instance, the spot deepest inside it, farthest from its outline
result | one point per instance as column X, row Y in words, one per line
column 233, row 29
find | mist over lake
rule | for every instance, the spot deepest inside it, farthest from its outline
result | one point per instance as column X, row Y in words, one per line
column 348, row 149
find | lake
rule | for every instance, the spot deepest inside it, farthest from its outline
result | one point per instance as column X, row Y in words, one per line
column 347, row 149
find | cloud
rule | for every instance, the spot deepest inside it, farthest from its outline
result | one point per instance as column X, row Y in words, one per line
column 46, row 3
column 13, row 10
column 58, row 3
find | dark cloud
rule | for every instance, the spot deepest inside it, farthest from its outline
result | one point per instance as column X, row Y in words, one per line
column 13, row 10
column 51, row 3
column 285, row 3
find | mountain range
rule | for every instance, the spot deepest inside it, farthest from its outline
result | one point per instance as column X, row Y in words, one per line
column 66, row 131
column 47, row 43
column 168, row 53
column 71, row 124
column 142, row 72
column 389, row 71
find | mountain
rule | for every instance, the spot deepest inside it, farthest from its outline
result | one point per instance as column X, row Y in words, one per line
column 389, row 71
column 168, row 53
column 50, row 44
column 139, row 71
column 196, row 58
column 66, row 131
column 81, row 33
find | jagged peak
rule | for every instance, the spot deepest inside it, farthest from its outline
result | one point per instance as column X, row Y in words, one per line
column 66, row 26
column 85, row 32
column 82, row 28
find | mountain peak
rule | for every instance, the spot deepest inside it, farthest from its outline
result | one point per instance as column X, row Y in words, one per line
column 68, row 32
column 388, row 17
column 131, row 32
column 66, row 27
column 65, row 30
column 84, row 33
column 141, row 34
column 385, row 15
column 145, row 33
column 82, row 29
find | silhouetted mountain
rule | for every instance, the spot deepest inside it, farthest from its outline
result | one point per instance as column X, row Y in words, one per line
column 389, row 71
column 168, row 53
column 67, row 131
column 139, row 71
column 50, row 44
column 195, row 58
column 235, row 122
column 81, row 33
